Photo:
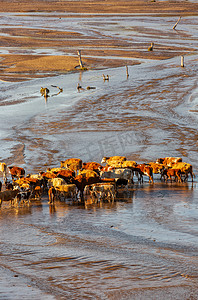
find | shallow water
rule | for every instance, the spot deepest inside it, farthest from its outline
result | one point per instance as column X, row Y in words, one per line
column 143, row 246
column 146, row 240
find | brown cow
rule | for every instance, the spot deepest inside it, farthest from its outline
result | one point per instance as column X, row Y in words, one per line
column 128, row 164
column 28, row 183
column 143, row 169
column 72, row 164
column 8, row 196
column 94, row 166
column 16, row 172
column 113, row 161
column 156, row 167
column 67, row 175
column 185, row 169
column 169, row 161
column 37, row 192
column 169, row 173
column 110, row 159
column 88, row 173
column 51, row 195
column 81, row 181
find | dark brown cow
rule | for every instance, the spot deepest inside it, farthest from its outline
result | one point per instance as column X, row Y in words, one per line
column 0, row 186
column 16, row 172
column 9, row 186
column 8, row 196
column 81, row 181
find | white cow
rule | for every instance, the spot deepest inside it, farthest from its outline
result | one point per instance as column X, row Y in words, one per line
column 56, row 182
column 103, row 191
column 66, row 191
column 3, row 169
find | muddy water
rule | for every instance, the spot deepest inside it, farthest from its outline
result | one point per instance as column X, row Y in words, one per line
column 143, row 246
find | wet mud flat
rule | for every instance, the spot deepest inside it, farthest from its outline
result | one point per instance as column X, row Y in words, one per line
column 144, row 245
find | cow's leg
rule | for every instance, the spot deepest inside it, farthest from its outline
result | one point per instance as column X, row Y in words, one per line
column 99, row 196
column 81, row 196
column 128, row 183
column 139, row 176
column 178, row 177
column 192, row 175
column 75, row 195
column 132, row 181
column 50, row 195
column 112, row 197
column 150, row 179
column 4, row 178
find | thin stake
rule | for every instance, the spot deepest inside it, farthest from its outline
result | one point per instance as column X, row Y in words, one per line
column 127, row 73
column 182, row 61
column 80, row 60
column 176, row 23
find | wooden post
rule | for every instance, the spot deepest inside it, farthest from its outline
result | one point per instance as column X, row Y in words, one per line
column 182, row 61
column 176, row 23
column 79, row 57
column 127, row 73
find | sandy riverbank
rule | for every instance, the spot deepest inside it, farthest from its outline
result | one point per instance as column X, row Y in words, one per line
column 100, row 50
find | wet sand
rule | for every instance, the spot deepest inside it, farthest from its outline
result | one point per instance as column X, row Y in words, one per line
column 37, row 44
column 143, row 246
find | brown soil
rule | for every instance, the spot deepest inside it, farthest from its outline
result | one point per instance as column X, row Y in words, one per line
column 171, row 7
column 16, row 67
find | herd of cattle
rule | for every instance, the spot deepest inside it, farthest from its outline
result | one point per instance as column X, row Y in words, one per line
column 75, row 179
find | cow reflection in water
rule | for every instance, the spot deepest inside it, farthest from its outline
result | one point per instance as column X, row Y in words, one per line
column 121, row 196
column 22, row 210
column 52, row 209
